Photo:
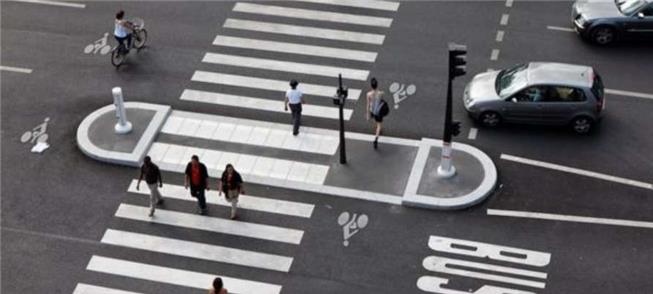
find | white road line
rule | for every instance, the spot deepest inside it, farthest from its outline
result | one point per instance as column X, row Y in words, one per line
column 495, row 54
column 368, row 4
column 269, row 205
column 473, row 132
column 261, row 104
column 293, row 48
column 82, row 288
column 211, row 224
column 313, row 14
column 197, row 250
column 500, row 34
column 174, row 276
column 509, row 3
column 570, row 218
column 268, row 84
column 563, row 29
column 504, row 19
column 304, row 31
column 16, row 69
column 56, row 3
column 629, row 93
column 257, row 133
column 286, row 66
column 577, row 171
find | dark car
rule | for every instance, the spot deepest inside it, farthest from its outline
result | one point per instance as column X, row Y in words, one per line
column 605, row 21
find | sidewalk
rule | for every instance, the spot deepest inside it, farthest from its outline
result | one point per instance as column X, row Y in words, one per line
column 401, row 171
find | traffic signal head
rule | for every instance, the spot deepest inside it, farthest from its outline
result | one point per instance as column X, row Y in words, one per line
column 457, row 60
column 455, row 128
column 342, row 92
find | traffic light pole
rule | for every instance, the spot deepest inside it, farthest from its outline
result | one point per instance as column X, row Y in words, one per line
column 341, row 97
column 457, row 64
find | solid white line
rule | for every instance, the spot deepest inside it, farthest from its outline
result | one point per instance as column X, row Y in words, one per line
column 294, row 48
column 577, row 171
column 91, row 289
column 570, row 218
column 286, row 66
column 509, row 3
column 368, row 4
column 500, row 34
column 473, row 132
column 174, row 276
column 628, row 93
column 56, row 3
column 197, row 250
column 211, row 224
column 261, row 104
column 250, row 202
column 495, row 54
column 304, row 31
column 563, row 29
column 16, row 69
column 504, row 19
column 313, row 14
column 268, row 84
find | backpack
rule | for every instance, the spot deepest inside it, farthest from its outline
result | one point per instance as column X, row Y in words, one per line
column 384, row 109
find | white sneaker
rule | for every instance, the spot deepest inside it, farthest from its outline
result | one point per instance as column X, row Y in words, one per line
column 151, row 213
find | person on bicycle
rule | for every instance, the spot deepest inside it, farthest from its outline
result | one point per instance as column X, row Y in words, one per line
column 122, row 31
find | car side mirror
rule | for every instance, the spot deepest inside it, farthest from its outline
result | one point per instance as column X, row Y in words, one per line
column 640, row 15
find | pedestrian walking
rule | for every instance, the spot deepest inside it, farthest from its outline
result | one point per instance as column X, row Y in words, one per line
column 294, row 99
column 197, row 177
column 218, row 287
column 152, row 175
column 377, row 109
column 232, row 184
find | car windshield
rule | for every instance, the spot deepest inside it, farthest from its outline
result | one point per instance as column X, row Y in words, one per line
column 629, row 7
column 510, row 80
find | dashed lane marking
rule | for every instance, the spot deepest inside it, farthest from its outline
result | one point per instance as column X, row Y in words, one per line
column 16, row 69
column 509, row 3
column 495, row 54
column 570, row 218
column 577, row 171
column 504, row 19
column 56, row 3
column 629, row 93
column 473, row 132
column 500, row 35
column 562, row 29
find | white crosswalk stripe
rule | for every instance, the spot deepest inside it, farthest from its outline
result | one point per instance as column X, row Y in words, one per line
column 82, row 288
column 270, row 205
column 268, row 84
column 197, row 250
column 304, row 31
column 312, row 14
column 261, row 104
column 174, row 276
column 286, row 66
column 368, row 4
column 216, row 225
column 294, row 48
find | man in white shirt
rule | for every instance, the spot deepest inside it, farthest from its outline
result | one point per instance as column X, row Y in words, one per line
column 294, row 99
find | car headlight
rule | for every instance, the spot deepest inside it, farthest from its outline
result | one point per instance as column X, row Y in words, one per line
column 581, row 20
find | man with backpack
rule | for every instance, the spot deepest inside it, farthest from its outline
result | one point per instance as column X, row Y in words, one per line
column 377, row 109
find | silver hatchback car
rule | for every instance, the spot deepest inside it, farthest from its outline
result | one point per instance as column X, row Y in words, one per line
column 537, row 93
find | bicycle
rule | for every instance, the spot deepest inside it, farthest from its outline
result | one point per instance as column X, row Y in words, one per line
column 138, row 39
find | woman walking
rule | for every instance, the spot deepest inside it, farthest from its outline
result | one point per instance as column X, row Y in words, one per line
column 375, row 104
column 232, row 184
column 218, row 287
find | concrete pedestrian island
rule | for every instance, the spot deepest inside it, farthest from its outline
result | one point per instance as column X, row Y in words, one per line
column 400, row 172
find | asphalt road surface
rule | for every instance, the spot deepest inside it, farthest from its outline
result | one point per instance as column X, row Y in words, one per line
column 571, row 214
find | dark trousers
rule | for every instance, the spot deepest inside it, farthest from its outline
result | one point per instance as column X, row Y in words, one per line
column 198, row 193
column 122, row 40
column 296, row 110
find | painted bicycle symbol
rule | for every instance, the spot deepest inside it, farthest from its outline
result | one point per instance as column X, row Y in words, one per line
column 351, row 224
column 37, row 135
column 99, row 45
column 400, row 92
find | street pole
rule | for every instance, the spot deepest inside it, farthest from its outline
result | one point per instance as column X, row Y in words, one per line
column 123, row 126
column 457, row 64
column 341, row 97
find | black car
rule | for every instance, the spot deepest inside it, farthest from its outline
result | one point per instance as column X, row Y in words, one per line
column 605, row 21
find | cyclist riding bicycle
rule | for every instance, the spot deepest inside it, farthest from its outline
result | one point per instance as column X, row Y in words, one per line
column 122, row 31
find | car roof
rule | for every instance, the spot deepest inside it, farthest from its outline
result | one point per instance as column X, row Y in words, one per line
column 551, row 73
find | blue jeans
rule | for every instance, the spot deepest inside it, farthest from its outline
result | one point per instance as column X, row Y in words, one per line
column 122, row 41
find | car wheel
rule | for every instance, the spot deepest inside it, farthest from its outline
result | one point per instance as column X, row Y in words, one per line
column 490, row 119
column 582, row 124
column 603, row 35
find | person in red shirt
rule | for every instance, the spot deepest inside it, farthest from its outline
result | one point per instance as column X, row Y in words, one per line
column 197, row 178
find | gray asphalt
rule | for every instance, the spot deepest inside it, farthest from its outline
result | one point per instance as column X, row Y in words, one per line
column 56, row 206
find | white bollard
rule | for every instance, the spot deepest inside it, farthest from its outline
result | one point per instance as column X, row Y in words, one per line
column 123, row 126
column 446, row 169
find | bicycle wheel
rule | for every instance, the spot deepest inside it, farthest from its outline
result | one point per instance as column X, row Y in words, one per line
column 140, row 37
column 117, row 57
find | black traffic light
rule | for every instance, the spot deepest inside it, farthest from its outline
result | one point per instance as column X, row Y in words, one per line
column 457, row 60
column 455, row 128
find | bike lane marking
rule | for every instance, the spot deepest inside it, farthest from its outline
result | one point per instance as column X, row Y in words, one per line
column 56, row 3
column 16, row 69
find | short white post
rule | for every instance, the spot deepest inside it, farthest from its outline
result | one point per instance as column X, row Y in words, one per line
column 446, row 169
column 123, row 126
